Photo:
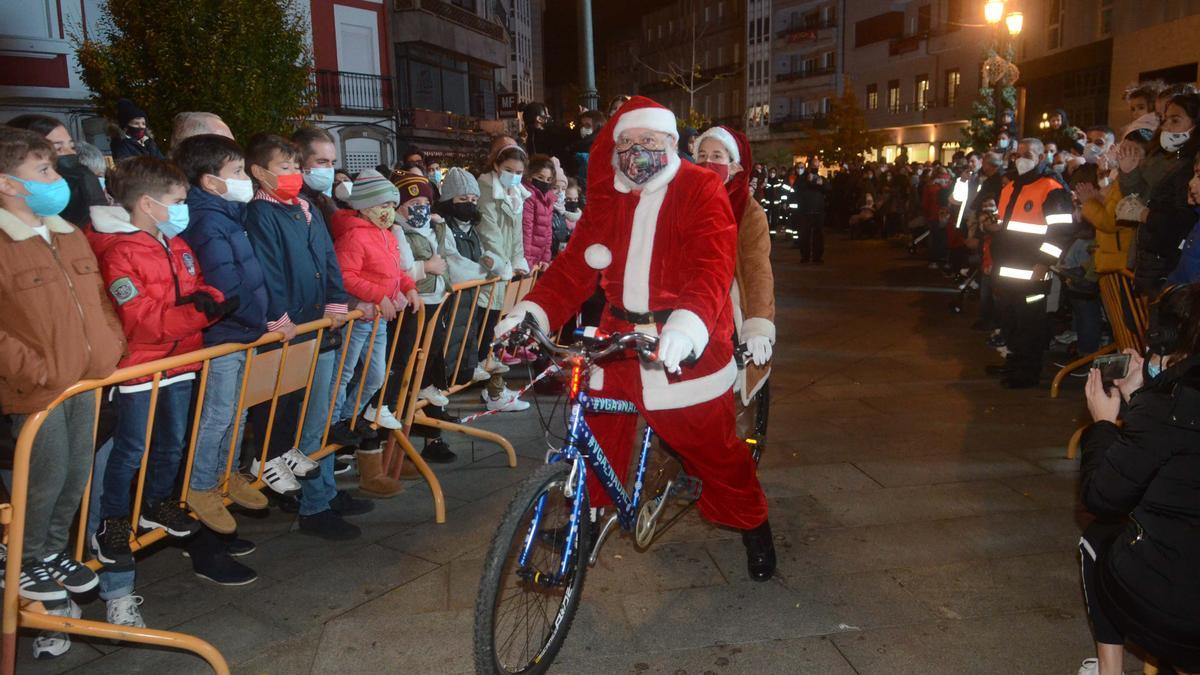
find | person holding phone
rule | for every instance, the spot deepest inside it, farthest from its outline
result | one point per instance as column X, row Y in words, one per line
column 1140, row 477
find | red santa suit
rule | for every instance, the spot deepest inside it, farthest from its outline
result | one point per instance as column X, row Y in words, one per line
column 664, row 255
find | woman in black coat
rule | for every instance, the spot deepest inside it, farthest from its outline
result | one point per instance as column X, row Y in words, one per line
column 86, row 190
column 1141, row 558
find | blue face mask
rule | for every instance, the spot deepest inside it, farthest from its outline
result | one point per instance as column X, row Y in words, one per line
column 1153, row 369
column 103, row 183
column 418, row 216
column 509, row 179
column 435, row 175
column 45, row 199
column 177, row 219
column 320, row 179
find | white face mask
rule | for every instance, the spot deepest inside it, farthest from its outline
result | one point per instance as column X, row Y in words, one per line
column 1174, row 140
column 239, row 190
column 1025, row 165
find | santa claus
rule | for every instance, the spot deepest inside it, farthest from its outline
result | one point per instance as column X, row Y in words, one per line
column 661, row 237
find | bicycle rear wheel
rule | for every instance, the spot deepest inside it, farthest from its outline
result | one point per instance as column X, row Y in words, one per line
column 523, row 611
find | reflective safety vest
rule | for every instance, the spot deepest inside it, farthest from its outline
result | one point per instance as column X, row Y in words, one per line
column 1036, row 220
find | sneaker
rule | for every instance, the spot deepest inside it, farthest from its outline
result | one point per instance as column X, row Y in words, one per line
column 342, row 465
column 47, row 644
column 125, row 611
column 505, row 394
column 434, row 396
column 209, row 507
column 341, row 434
column 170, row 516
column 37, row 583
column 329, row 525
column 110, row 542
column 495, row 366
column 302, row 467
column 277, row 476
column 73, row 575
column 241, row 493
column 238, row 547
column 225, row 571
column 1090, row 667
column 437, row 451
column 481, row 374
column 510, row 359
column 1066, row 337
column 383, row 417
column 345, row 505
column 505, row 403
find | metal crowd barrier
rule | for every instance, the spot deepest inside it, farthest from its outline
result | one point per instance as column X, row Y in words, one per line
column 267, row 376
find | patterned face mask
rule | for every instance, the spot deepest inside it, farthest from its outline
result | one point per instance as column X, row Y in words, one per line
column 640, row 164
column 381, row 216
column 418, row 216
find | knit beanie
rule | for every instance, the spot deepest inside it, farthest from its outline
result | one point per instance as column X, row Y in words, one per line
column 371, row 189
column 458, row 182
column 126, row 111
column 412, row 186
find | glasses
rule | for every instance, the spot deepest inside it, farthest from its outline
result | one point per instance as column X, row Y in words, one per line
column 649, row 141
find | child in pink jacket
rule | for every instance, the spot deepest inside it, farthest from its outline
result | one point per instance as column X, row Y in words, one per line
column 538, row 216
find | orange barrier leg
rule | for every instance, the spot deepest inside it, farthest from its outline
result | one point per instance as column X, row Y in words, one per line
column 1073, row 444
column 435, row 486
column 424, row 420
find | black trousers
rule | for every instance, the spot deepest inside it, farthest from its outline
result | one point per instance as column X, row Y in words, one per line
column 1024, row 324
column 811, row 236
column 1095, row 540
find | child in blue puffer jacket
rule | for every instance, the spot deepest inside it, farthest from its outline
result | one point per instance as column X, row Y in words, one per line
column 219, row 189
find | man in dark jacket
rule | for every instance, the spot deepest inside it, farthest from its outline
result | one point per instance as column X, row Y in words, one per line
column 811, row 190
column 133, row 138
column 318, row 157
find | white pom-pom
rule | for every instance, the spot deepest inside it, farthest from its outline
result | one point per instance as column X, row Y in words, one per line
column 598, row 256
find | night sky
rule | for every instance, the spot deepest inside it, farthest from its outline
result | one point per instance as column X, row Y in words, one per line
column 561, row 43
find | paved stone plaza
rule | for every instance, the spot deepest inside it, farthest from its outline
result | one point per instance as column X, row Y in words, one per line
column 925, row 521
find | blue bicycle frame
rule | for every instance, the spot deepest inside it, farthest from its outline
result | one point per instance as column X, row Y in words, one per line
column 584, row 451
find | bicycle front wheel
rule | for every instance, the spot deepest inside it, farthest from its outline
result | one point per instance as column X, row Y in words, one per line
column 525, row 607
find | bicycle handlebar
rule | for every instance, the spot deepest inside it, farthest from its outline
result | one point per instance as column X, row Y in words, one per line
column 602, row 344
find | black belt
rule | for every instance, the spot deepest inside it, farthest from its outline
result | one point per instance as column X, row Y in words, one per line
column 639, row 318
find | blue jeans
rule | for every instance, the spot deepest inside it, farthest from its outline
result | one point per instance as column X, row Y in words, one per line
column 112, row 584
column 343, row 408
column 129, row 444
column 317, row 492
column 1088, row 323
column 217, row 419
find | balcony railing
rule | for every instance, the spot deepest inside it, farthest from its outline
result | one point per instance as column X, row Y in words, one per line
column 803, row 74
column 419, row 118
column 342, row 92
column 458, row 15
column 904, row 45
column 808, row 31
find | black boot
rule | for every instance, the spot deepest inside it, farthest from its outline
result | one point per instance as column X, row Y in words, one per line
column 760, row 551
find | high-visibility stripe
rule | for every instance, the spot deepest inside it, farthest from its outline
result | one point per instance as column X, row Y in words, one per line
column 1027, row 228
column 1035, row 298
column 1050, row 249
column 1016, row 273
column 1059, row 219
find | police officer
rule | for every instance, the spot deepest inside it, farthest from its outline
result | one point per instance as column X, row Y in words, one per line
column 1036, row 220
column 775, row 200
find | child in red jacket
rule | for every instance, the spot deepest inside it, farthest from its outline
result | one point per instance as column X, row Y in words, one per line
column 538, row 215
column 369, row 256
column 160, row 297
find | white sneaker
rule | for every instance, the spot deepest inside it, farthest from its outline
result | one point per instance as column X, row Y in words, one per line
column 507, row 401
column 300, row 464
column 277, row 476
column 124, row 611
column 495, row 367
column 1066, row 337
column 1090, row 667
column 385, row 417
column 434, row 396
column 481, row 374
column 48, row 645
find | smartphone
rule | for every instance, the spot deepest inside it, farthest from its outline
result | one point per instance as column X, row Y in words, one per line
column 1112, row 367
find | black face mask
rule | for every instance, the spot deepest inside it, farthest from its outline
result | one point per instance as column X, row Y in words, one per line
column 464, row 211
column 67, row 162
column 571, row 204
column 542, row 186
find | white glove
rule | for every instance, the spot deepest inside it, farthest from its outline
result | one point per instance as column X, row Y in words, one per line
column 760, row 349
column 508, row 324
column 673, row 347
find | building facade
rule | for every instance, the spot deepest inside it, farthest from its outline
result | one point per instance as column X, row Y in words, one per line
column 916, row 72
column 692, row 58
column 1171, row 28
column 805, row 53
column 758, row 70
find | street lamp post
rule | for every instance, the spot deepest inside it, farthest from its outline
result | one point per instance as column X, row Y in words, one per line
column 994, row 12
column 588, row 97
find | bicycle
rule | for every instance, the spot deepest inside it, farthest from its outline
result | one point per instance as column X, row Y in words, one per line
column 545, row 558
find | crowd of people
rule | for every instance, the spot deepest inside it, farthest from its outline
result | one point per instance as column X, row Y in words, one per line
column 113, row 262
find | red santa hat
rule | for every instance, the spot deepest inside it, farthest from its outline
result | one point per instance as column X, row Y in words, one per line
column 640, row 112
column 722, row 136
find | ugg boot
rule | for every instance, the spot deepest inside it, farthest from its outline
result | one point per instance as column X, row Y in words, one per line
column 371, row 479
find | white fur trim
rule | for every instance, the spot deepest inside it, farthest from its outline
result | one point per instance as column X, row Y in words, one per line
column 17, row 230
column 690, row 324
column 740, row 386
column 635, row 296
column 111, row 220
column 535, row 310
column 660, row 394
column 596, row 378
column 598, row 256
column 622, row 183
column 757, row 326
column 725, row 138
column 652, row 117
